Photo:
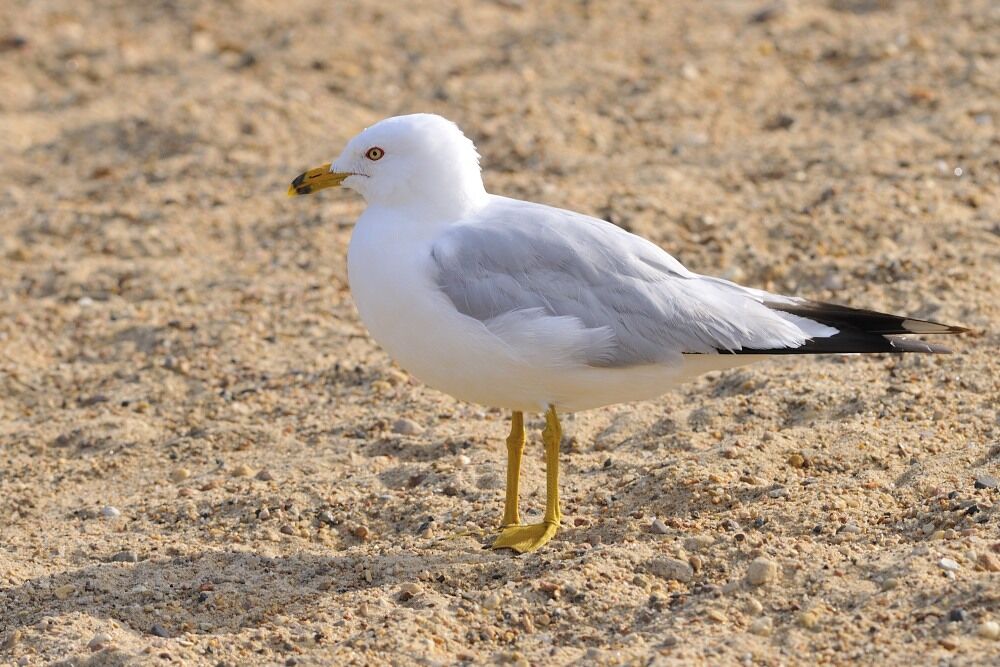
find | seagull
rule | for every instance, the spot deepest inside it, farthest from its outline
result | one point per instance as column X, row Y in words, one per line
column 530, row 308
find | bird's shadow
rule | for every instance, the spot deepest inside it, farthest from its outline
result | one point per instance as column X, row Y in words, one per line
column 211, row 592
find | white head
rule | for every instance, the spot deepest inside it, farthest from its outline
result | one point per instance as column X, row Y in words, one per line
column 421, row 161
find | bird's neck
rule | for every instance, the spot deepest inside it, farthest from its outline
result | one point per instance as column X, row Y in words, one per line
column 427, row 208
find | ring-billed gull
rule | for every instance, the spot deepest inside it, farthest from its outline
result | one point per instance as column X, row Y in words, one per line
column 527, row 307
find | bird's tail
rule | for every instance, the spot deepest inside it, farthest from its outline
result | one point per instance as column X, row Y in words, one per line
column 858, row 330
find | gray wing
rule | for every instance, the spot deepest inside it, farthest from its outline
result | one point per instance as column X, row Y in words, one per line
column 519, row 264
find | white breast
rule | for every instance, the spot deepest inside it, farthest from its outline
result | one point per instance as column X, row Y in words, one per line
column 390, row 272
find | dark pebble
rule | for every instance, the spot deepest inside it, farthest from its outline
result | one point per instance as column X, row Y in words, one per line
column 780, row 122
column 93, row 400
column 159, row 631
column 125, row 557
column 767, row 14
column 957, row 615
column 987, row 482
column 12, row 42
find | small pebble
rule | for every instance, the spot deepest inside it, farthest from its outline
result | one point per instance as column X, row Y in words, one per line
column 948, row 564
column 988, row 562
column 809, row 619
column 326, row 517
column 551, row 588
column 987, row 482
column 761, row 571
column 672, row 569
column 110, row 512
column 361, row 532
column 407, row 427
column 464, row 460
column 957, row 615
column 492, row 601
column 762, row 626
column 125, row 557
column 64, row 591
column 265, row 475
column 695, row 562
column 716, row 615
column 179, row 474
column 889, row 584
column 754, row 607
column 658, row 527
column 698, row 542
column 264, row 514
column 989, row 630
column 242, row 470
column 159, row 631
column 287, row 529
column 780, row 122
column 99, row 641
column 410, row 587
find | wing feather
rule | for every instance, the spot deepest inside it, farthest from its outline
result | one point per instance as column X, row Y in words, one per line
column 631, row 301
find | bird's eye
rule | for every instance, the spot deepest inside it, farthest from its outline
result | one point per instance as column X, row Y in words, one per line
column 374, row 153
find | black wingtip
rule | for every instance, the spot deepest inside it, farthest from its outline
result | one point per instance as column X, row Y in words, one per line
column 868, row 321
column 859, row 330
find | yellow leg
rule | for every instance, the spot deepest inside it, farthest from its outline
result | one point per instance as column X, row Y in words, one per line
column 530, row 537
column 515, row 447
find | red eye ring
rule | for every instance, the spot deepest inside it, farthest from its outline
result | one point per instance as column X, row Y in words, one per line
column 374, row 153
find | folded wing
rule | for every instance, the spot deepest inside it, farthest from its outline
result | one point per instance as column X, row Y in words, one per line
column 581, row 288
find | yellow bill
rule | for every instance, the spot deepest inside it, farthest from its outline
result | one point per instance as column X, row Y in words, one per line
column 316, row 179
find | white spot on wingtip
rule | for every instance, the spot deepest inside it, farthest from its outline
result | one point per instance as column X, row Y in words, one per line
column 916, row 326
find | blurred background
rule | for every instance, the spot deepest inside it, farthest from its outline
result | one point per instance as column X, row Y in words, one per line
column 166, row 311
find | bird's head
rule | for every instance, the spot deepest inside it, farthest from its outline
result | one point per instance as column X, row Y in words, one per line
column 419, row 161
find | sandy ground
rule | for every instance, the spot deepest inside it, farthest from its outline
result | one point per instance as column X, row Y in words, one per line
column 202, row 458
